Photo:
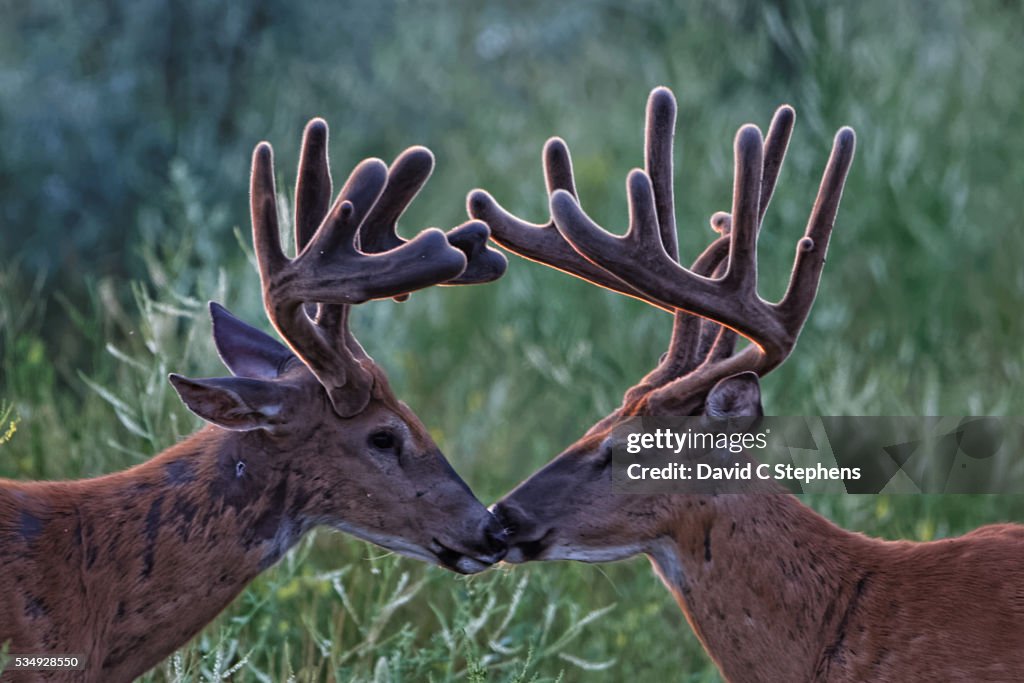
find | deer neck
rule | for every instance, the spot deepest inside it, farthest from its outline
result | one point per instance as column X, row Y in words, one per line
column 162, row 547
column 763, row 580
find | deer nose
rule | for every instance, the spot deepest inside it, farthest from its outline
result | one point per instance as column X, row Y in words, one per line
column 526, row 538
column 507, row 518
column 495, row 538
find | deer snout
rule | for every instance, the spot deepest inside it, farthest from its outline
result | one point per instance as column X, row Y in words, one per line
column 489, row 542
column 495, row 539
column 526, row 539
column 487, row 545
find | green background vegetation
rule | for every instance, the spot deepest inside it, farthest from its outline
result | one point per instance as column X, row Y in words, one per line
column 126, row 129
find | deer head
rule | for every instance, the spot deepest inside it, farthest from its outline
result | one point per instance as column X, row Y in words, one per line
column 320, row 407
column 566, row 510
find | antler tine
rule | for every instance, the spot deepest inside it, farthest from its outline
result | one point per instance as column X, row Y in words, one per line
column 406, row 176
column 313, row 183
column 263, row 204
column 658, row 143
column 343, row 274
column 775, row 144
column 811, row 250
column 330, row 270
column 379, row 231
column 312, row 189
column 312, row 201
column 543, row 243
column 625, row 256
column 715, row 343
column 741, row 273
column 638, row 257
column 360, row 192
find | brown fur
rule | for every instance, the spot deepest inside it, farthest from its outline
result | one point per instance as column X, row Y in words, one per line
column 788, row 596
column 127, row 567
column 776, row 592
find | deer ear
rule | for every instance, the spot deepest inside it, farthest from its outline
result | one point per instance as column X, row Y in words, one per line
column 736, row 396
column 235, row 403
column 245, row 350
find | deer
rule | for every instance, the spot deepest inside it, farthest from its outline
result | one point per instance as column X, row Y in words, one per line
column 773, row 590
column 123, row 569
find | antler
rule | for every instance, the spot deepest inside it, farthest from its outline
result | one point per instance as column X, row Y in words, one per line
column 330, row 272
column 406, row 177
column 721, row 286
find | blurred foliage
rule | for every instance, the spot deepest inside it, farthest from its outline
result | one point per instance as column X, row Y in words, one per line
column 127, row 128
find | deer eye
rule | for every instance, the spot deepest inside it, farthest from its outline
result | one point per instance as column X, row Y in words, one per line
column 383, row 440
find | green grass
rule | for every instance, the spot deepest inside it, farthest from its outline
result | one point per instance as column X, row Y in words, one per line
column 919, row 311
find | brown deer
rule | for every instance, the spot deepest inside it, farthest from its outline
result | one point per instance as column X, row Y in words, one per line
column 773, row 590
column 125, row 568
